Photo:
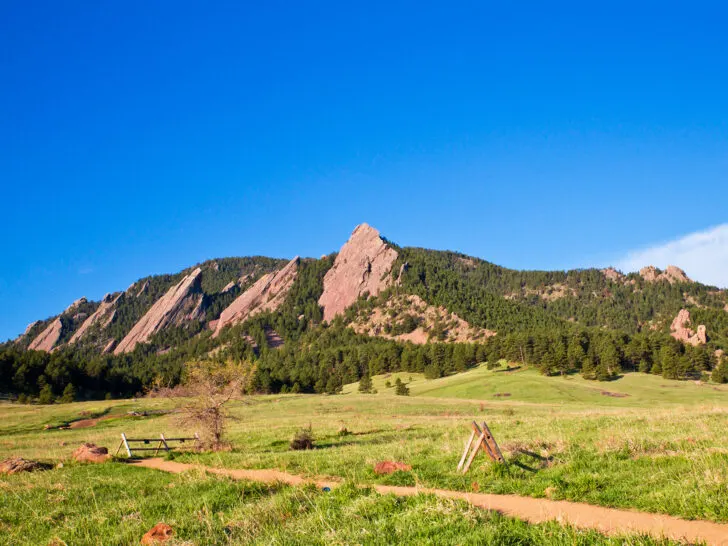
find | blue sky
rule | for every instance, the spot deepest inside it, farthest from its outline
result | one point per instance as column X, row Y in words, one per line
column 142, row 137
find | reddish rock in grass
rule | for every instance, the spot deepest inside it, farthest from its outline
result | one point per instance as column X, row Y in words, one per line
column 161, row 532
column 91, row 453
column 14, row 465
column 387, row 467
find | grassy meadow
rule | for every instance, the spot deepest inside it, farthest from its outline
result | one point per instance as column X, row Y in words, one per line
column 648, row 444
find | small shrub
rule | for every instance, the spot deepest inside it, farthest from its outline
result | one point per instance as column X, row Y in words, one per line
column 343, row 431
column 303, row 439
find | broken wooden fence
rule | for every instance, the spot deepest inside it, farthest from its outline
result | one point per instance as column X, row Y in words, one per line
column 162, row 443
column 484, row 440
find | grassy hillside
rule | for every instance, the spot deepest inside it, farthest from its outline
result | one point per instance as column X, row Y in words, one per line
column 527, row 385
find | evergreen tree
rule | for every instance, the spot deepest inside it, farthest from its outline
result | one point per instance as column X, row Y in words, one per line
column 69, row 394
column 400, row 388
column 720, row 372
column 365, row 384
column 46, row 395
column 575, row 353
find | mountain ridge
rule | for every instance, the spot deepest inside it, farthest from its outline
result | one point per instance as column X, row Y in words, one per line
column 376, row 295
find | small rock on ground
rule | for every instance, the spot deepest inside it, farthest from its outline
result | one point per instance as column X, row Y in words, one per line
column 91, row 453
column 161, row 532
column 14, row 465
column 387, row 467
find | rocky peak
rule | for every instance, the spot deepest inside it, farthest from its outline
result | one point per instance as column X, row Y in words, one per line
column 672, row 274
column 28, row 328
column 75, row 305
column 181, row 303
column 362, row 265
column 612, row 274
column 266, row 294
column 680, row 329
column 675, row 274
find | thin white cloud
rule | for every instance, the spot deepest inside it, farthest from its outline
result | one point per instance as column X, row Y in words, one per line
column 703, row 255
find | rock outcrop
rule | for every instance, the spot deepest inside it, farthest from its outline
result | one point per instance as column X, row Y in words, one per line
column 143, row 289
column 229, row 286
column 362, row 265
column 426, row 323
column 680, row 330
column 28, row 328
column 672, row 274
column 266, row 294
column 75, row 305
column 612, row 274
column 48, row 338
column 103, row 315
column 181, row 303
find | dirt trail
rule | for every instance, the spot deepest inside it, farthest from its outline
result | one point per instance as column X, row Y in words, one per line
column 606, row 520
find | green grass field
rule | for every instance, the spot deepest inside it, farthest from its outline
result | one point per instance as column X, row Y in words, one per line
column 662, row 449
column 527, row 385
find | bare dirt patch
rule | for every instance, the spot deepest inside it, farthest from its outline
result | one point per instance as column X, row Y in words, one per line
column 614, row 394
column 87, row 423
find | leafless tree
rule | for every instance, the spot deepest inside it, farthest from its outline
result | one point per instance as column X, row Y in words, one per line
column 209, row 388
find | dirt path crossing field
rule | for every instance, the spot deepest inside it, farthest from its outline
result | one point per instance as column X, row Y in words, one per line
column 606, row 520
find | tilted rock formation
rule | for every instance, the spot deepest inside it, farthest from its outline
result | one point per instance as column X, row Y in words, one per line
column 22, row 336
column 680, row 330
column 267, row 294
column 229, row 286
column 103, row 315
column 181, row 303
column 362, row 265
column 48, row 338
column 672, row 274
column 143, row 289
